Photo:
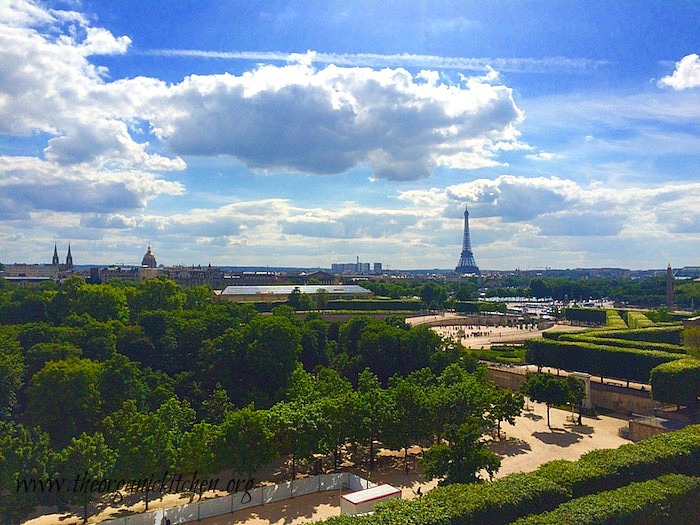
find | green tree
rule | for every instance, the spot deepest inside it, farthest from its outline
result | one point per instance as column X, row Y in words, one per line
column 74, row 389
column 548, row 389
column 87, row 457
column 11, row 374
column 24, row 453
column 373, row 411
column 196, row 451
column 41, row 353
column 463, row 458
column 294, row 298
column 143, row 442
column 505, row 406
column 433, row 295
column 297, row 427
column 245, row 442
column 409, row 408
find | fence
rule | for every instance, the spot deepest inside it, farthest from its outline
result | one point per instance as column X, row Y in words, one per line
column 243, row 500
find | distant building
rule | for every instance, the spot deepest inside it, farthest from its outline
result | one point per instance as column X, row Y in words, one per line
column 688, row 272
column 356, row 268
column 272, row 293
column 149, row 260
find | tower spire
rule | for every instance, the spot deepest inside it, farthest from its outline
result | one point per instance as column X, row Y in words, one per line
column 69, row 259
column 466, row 262
column 54, row 261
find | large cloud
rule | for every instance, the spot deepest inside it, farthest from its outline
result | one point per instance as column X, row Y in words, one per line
column 325, row 121
column 686, row 75
column 292, row 117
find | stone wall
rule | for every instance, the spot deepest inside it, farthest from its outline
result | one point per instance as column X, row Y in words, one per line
column 611, row 397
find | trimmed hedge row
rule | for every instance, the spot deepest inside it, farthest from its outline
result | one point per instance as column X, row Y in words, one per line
column 657, row 334
column 373, row 304
column 474, row 307
column 613, row 319
column 671, row 499
column 587, row 337
column 544, row 489
column 677, row 382
column 606, row 361
column 635, row 319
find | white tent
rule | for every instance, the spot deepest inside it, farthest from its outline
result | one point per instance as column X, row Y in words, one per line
column 364, row 500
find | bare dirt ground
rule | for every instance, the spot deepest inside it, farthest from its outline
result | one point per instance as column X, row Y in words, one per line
column 481, row 336
column 522, row 448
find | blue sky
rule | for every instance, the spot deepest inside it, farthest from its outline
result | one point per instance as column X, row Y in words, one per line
column 306, row 133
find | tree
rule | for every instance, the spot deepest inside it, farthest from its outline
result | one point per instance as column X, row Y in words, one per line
column 24, row 453
column 196, row 451
column 409, row 415
column 297, row 427
column 433, row 295
column 87, row 457
column 548, row 389
column 505, row 406
column 463, row 458
column 122, row 379
column 143, row 442
column 74, row 387
column 11, row 373
column 539, row 288
column 245, row 441
column 373, row 411
column 294, row 298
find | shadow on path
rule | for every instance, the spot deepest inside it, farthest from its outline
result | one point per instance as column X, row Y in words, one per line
column 560, row 439
column 510, row 447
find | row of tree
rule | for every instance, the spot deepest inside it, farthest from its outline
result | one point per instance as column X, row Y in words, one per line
column 321, row 414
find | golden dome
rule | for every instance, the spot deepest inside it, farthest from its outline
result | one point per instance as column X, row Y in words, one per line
column 149, row 260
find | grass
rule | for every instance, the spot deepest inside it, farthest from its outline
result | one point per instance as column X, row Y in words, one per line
column 513, row 354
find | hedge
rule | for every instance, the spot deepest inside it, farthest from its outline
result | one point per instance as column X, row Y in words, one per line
column 353, row 304
column 475, row 307
column 672, row 499
column 635, row 319
column 374, row 304
column 613, row 319
column 657, row 334
column 677, row 382
column 587, row 337
column 544, row 489
column 606, row 361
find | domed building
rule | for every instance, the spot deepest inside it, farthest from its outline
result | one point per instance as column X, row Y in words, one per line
column 149, row 260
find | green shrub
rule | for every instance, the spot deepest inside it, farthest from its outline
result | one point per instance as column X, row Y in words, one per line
column 671, row 499
column 589, row 337
column 605, row 361
column 657, row 334
column 677, row 382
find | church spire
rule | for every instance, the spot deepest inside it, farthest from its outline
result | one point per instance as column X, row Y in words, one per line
column 69, row 259
column 54, row 261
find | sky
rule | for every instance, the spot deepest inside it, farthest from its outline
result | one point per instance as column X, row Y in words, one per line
column 265, row 133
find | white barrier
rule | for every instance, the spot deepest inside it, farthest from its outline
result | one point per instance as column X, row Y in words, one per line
column 242, row 500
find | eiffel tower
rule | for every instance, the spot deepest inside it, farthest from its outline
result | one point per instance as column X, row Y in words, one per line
column 466, row 263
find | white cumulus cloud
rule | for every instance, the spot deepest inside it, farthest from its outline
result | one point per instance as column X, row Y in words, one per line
column 686, row 74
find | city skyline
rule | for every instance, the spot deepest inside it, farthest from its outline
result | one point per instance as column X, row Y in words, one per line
column 299, row 134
